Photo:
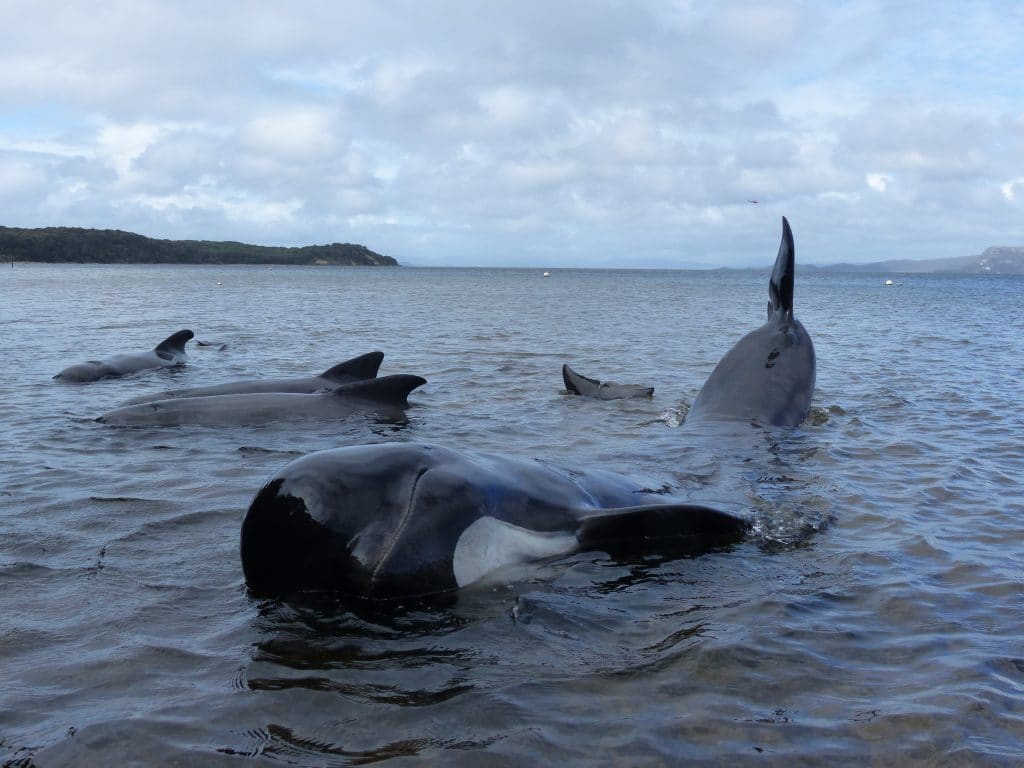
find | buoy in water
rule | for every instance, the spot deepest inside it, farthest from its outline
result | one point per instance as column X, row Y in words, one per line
column 888, row 282
column 547, row 274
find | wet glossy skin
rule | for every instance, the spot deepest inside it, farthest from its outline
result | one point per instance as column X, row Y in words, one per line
column 382, row 395
column 357, row 369
column 171, row 351
column 390, row 520
column 768, row 375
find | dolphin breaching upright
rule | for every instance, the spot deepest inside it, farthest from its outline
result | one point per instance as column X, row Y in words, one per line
column 768, row 375
column 408, row 520
column 169, row 352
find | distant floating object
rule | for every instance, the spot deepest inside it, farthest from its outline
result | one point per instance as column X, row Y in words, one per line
column 547, row 274
column 752, row 201
column 269, row 267
column 219, row 283
column 889, row 282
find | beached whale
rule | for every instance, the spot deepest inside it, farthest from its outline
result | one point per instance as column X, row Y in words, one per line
column 406, row 519
column 401, row 520
column 170, row 351
column 577, row 384
column 387, row 395
column 357, row 369
column 768, row 375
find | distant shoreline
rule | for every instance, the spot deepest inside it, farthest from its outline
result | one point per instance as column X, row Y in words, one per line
column 74, row 245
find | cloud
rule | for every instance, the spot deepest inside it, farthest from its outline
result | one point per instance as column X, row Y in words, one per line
column 574, row 133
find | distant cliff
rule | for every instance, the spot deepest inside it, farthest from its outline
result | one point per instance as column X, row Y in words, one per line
column 112, row 246
column 997, row 260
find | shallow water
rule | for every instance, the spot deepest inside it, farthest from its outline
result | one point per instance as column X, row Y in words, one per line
column 875, row 616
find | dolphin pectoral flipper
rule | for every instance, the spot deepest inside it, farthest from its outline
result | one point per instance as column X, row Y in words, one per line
column 175, row 343
column 578, row 384
column 689, row 528
column 780, row 286
column 362, row 367
column 392, row 389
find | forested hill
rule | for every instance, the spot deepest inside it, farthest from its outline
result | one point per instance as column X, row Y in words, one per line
column 112, row 246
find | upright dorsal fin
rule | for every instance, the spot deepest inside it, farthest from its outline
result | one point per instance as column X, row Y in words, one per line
column 175, row 342
column 689, row 528
column 387, row 389
column 362, row 367
column 780, row 286
column 577, row 383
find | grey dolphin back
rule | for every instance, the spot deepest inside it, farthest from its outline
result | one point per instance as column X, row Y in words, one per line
column 360, row 368
column 392, row 389
column 173, row 344
column 676, row 528
column 780, row 286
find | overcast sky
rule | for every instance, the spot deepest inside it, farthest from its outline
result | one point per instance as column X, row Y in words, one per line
column 522, row 133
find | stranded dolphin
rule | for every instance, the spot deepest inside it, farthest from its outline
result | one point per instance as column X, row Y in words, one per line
column 356, row 369
column 396, row 520
column 170, row 351
column 385, row 396
column 602, row 390
column 405, row 519
column 768, row 375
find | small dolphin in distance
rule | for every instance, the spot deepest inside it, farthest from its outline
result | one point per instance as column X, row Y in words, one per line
column 577, row 384
column 169, row 352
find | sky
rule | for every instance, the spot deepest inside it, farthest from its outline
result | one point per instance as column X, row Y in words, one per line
column 549, row 134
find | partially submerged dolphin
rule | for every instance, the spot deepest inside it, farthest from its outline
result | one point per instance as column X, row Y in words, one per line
column 405, row 519
column 170, row 351
column 385, row 396
column 400, row 520
column 768, row 376
column 578, row 384
column 357, row 369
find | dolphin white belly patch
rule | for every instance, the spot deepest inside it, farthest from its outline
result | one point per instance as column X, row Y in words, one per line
column 489, row 544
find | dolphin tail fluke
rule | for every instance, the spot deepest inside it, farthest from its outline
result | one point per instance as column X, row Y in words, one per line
column 393, row 390
column 780, row 287
column 175, row 343
column 668, row 528
column 361, row 368
column 577, row 384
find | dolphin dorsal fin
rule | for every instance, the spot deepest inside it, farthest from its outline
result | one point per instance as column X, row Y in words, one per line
column 387, row 389
column 677, row 527
column 780, row 286
column 576, row 382
column 362, row 367
column 175, row 342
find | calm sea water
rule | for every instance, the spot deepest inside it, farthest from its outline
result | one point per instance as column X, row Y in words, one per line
column 875, row 616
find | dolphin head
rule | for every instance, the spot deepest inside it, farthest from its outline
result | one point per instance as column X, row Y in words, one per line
column 373, row 521
column 768, row 376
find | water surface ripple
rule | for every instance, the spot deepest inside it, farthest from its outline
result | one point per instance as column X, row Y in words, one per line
column 873, row 618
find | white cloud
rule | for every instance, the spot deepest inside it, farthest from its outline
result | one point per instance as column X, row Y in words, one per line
column 1009, row 188
column 531, row 132
column 878, row 181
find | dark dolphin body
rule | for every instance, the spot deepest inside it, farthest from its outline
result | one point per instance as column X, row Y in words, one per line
column 395, row 520
column 768, row 376
column 602, row 390
column 405, row 519
column 357, row 369
column 170, row 351
column 385, row 396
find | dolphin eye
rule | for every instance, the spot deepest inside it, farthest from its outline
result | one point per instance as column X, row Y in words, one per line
column 770, row 362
